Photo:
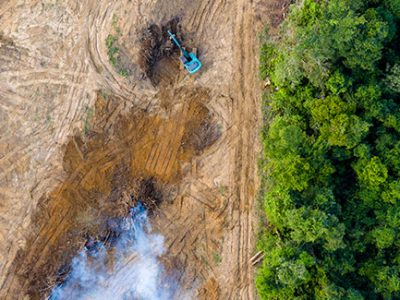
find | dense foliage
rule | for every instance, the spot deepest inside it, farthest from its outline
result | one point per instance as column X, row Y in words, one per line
column 332, row 153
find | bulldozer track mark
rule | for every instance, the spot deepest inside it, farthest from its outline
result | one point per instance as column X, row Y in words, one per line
column 156, row 157
column 62, row 81
column 169, row 160
column 196, row 16
column 151, row 157
column 216, row 12
column 202, row 15
column 49, row 73
column 202, row 201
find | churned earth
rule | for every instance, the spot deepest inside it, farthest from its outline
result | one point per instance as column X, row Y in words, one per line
column 82, row 137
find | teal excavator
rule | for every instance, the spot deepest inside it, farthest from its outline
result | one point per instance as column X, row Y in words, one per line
column 191, row 63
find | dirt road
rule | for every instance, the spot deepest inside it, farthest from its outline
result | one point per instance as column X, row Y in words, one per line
column 54, row 66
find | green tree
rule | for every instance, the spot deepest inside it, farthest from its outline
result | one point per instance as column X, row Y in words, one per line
column 332, row 153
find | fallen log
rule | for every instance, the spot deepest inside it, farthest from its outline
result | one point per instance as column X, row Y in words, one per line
column 257, row 258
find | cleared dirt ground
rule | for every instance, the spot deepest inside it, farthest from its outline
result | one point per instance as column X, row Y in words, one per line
column 77, row 138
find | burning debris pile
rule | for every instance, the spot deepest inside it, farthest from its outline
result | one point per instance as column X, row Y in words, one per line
column 123, row 261
column 148, row 198
column 129, row 269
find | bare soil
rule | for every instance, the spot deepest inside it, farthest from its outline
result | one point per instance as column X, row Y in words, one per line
column 77, row 139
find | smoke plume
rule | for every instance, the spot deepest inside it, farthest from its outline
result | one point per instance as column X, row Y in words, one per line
column 130, row 270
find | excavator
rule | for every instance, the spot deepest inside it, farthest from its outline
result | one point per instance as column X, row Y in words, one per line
column 189, row 60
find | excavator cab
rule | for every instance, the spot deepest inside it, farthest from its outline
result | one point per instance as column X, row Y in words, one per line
column 189, row 60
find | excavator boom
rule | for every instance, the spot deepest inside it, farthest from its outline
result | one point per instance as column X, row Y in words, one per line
column 189, row 60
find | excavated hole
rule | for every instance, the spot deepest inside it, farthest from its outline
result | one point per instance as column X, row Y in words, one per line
column 157, row 50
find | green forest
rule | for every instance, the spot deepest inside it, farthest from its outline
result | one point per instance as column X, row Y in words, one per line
column 331, row 162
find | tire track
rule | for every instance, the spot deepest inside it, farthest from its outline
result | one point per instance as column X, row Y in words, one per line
column 225, row 32
column 246, row 110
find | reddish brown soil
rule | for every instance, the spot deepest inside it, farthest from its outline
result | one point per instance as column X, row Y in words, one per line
column 103, row 169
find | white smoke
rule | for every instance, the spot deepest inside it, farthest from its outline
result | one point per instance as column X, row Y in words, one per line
column 135, row 271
